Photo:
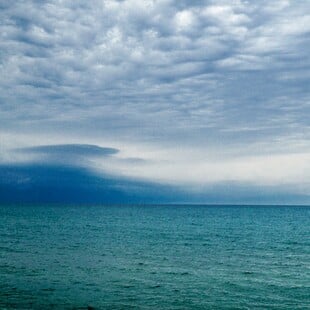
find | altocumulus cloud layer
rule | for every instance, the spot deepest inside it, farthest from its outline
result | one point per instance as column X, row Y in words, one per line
column 208, row 96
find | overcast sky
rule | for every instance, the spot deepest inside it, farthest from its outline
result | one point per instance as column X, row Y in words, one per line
column 194, row 95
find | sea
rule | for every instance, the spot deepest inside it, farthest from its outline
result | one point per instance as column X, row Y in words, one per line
column 154, row 257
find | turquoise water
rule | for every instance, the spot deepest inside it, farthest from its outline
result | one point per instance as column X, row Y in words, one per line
column 154, row 257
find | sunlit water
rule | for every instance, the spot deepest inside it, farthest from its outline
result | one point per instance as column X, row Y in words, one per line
column 154, row 257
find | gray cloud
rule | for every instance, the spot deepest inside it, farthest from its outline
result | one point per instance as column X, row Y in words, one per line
column 79, row 155
column 70, row 150
column 217, row 76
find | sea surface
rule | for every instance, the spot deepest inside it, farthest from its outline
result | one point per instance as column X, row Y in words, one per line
column 154, row 257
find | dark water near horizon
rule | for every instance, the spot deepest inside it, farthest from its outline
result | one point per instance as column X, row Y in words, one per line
column 154, row 257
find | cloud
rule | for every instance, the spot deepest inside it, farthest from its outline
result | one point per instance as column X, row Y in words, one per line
column 70, row 150
column 65, row 154
column 63, row 184
column 37, row 183
column 157, row 80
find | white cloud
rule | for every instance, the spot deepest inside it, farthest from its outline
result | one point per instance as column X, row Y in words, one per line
column 184, row 20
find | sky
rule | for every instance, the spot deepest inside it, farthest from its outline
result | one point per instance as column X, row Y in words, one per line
column 155, row 101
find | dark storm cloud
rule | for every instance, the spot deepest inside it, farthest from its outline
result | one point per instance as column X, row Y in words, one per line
column 70, row 150
column 71, row 184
